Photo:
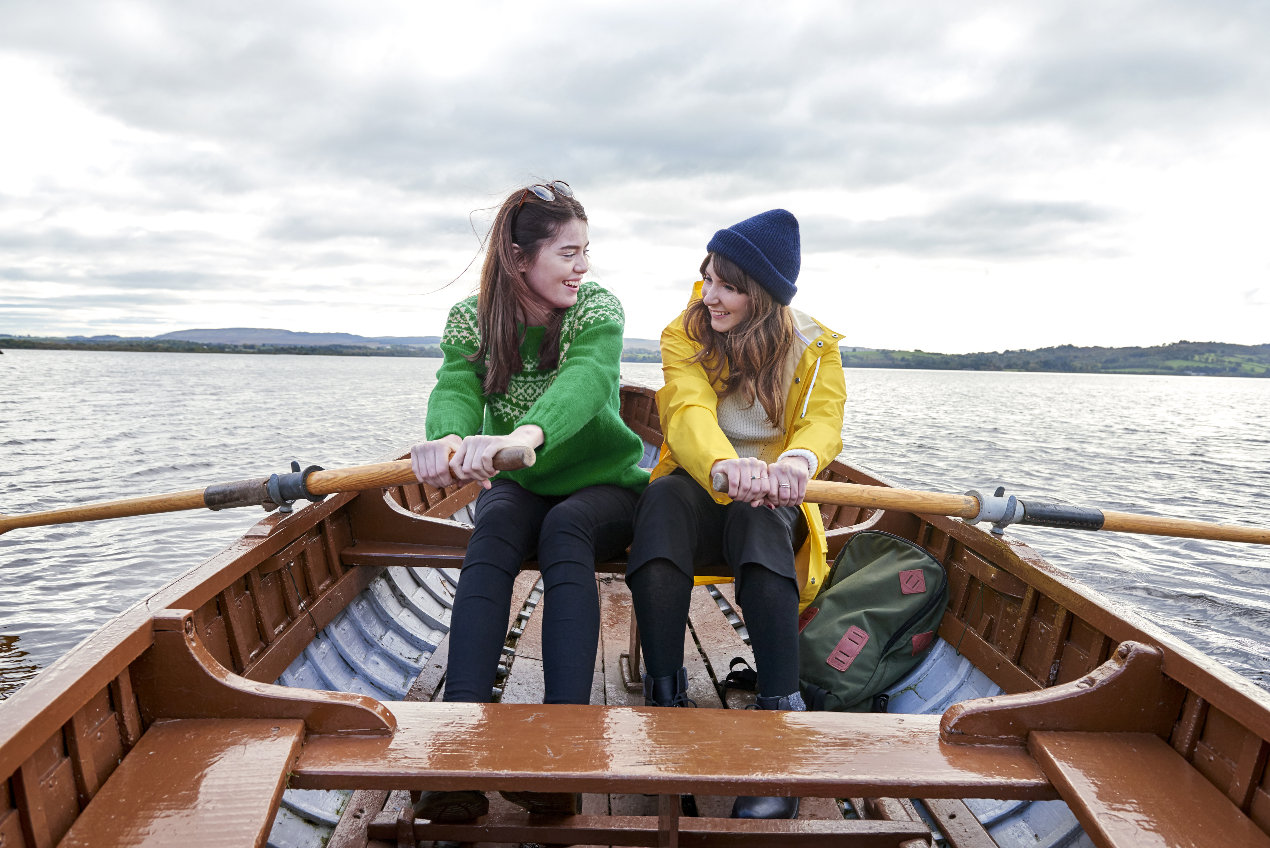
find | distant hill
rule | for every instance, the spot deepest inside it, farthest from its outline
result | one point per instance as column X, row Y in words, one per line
column 272, row 341
column 641, row 344
column 250, row 335
column 1180, row 358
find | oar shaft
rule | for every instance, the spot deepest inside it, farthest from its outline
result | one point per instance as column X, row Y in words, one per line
column 883, row 497
column 147, row 505
column 248, row 492
column 967, row 506
column 1123, row 522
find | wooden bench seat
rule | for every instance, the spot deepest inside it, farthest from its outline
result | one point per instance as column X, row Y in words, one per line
column 663, row 751
column 1132, row 790
column 204, row 782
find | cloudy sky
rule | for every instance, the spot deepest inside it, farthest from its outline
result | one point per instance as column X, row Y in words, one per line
column 969, row 176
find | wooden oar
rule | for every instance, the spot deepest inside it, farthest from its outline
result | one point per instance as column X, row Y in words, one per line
column 255, row 492
column 1002, row 510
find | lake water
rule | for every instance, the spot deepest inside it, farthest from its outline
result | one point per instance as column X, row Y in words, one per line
column 77, row 427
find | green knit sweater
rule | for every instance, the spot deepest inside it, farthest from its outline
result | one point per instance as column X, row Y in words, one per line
column 577, row 405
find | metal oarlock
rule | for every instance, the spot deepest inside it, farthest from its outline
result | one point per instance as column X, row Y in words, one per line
column 1002, row 511
column 285, row 489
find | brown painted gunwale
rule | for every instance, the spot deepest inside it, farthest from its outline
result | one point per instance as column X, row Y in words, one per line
column 1216, row 698
column 1239, row 698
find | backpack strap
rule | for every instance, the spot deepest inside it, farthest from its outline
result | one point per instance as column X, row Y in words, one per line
column 814, row 696
column 744, row 678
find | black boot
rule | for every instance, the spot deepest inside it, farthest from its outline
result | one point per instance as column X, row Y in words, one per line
column 770, row 807
column 547, row 803
column 668, row 691
column 455, row 805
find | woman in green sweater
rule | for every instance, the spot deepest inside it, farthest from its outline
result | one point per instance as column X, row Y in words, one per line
column 532, row 360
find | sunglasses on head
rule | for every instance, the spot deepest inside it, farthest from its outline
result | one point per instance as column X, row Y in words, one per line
column 548, row 191
column 545, row 192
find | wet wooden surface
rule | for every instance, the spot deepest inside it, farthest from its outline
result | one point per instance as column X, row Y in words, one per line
column 649, row 749
column 710, row 643
column 712, row 745
column 1133, row 789
column 220, row 782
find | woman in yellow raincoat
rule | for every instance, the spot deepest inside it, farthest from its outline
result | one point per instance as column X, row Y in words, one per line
column 754, row 391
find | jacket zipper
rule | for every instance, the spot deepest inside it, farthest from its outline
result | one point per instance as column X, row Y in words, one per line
column 810, row 386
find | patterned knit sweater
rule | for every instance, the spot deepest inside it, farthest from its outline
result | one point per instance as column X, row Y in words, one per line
column 577, row 405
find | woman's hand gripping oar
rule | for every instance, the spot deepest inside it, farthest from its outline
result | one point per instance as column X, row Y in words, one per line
column 1004, row 510
column 278, row 490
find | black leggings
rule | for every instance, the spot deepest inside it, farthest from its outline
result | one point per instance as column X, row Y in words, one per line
column 681, row 531
column 570, row 533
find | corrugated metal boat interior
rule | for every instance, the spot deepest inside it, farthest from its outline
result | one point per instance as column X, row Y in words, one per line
column 377, row 646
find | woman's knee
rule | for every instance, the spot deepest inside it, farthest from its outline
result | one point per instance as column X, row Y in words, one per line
column 659, row 579
column 670, row 504
column 505, row 501
column 593, row 522
column 741, row 519
column 507, row 522
column 761, row 587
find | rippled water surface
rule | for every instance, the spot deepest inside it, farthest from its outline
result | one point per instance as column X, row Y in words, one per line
column 78, row 426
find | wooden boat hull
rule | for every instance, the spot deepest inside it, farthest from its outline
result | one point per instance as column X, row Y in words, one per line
column 294, row 587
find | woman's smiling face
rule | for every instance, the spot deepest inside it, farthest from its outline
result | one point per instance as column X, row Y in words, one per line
column 728, row 305
column 557, row 271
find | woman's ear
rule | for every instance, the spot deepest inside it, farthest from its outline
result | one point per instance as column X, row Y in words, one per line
column 519, row 256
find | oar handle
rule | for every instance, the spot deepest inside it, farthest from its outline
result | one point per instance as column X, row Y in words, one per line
column 399, row 472
column 879, row 497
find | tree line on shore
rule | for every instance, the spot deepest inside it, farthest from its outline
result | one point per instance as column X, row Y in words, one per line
column 1179, row 358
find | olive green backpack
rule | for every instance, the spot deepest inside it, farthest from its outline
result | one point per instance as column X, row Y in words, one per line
column 874, row 620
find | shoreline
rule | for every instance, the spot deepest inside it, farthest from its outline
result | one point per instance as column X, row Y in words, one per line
column 1181, row 359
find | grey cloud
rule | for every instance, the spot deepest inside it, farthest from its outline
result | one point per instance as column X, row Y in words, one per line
column 718, row 103
column 972, row 228
column 172, row 280
column 654, row 102
column 185, row 180
column 94, row 300
column 60, row 246
column 389, row 226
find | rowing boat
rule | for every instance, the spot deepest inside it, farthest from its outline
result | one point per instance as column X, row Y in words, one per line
column 286, row 691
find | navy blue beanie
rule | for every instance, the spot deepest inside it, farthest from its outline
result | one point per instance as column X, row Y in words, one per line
column 767, row 248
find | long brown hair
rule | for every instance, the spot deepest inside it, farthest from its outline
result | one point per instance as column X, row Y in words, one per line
column 753, row 352
column 527, row 222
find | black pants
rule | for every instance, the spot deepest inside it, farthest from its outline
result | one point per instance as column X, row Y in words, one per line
column 681, row 532
column 570, row 533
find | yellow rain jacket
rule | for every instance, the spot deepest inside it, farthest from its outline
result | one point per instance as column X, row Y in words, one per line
column 814, row 403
